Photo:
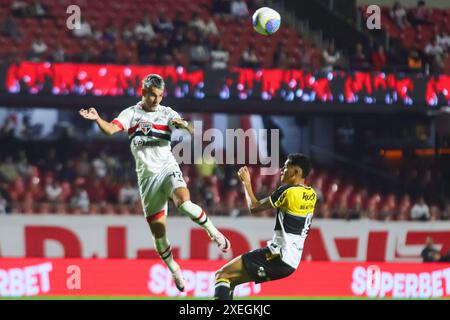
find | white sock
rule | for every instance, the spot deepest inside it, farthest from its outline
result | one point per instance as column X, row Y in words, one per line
column 165, row 252
column 197, row 215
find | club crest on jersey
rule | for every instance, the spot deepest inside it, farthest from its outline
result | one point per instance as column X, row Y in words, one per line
column 145, row 126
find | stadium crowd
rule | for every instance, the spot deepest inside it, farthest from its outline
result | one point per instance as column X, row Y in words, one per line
column 62, row 175
column 422, row 34
column 204, row 36
column 172, row 37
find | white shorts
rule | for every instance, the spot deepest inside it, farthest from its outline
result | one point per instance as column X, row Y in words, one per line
column 155, row 190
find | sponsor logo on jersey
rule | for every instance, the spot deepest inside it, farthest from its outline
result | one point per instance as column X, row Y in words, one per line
column 310, row 197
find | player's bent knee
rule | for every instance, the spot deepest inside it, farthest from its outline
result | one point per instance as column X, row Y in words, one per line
column 220, row 274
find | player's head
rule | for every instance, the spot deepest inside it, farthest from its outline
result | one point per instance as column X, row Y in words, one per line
column 153, row 89
column 295, row 169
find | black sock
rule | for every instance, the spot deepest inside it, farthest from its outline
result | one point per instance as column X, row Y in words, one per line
column 222, row 290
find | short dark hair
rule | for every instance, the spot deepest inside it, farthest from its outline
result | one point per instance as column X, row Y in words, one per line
column 153, row 80
column 302, row 161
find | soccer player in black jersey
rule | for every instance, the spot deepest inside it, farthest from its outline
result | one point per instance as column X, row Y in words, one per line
column 295, row 204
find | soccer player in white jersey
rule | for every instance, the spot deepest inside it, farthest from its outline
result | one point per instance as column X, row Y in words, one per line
column 149, row 125
column 295, row 203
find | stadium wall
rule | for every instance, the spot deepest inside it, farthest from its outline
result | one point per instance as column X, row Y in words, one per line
column 113, row 237
column 94, row 277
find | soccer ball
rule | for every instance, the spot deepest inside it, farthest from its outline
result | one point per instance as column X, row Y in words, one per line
column 266, row 21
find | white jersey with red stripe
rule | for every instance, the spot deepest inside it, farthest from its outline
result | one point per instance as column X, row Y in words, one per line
column 150, row 135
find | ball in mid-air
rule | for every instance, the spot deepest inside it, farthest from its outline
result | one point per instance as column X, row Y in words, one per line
column 266, row 21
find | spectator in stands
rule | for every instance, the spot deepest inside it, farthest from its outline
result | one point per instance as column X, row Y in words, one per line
column 99, row 166
column 386, row 213
column 84, row 30
column 97, row 191
column 80, row 200
column 53, row 192
column 305, row 62
column 97, row 33
column 179, row 57
column 435, row 213
column 434, row 47
column 38, row 49
column 19, row 8
column 211, row 27
column 379, row 59
column 111, row 33
column 144, row 49
column 420, row 210
column 3, row 205
column 445, row 258
column 24, row 168
column 445, row 214
column 446, row 62
column 197, row 23
column 177, row 40
column 51, row 161
column 415, row 62
column 435, row 55
column 10, row 29
column 163, row 23
column 340, row 211
column 219, row 57
column 443, row 39
column 357, row 211
column 359, row 60
column 331, row 58
column 249, row 59
column 164, row 56
column 420, row 15
column 8, row 130
column 128, row 194
column 83, row 167
column 429, row 252
column 37, row 9
column 144, row 28
column 127, row 32
column 239, row 8
column 27, row 130
column 199, row 54
column 178, row 21
column 8, row 170
column 398, row 15
column 59, row 55
column 5, row 198
column 280, row 57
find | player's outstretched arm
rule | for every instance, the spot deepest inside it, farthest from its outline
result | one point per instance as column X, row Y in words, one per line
column 107, row 128
column 254, row 205
column 180, row 123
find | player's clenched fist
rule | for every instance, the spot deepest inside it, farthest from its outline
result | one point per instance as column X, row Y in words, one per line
column 244, row 174
column 90, row 113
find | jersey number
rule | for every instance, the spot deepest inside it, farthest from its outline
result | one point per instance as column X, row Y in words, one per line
column 307, row 225
column 176, row 175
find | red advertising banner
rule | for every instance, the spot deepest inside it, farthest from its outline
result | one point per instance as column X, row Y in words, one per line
column 132, row 277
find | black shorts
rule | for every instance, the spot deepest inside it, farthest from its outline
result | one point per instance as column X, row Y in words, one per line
column 262, row 266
